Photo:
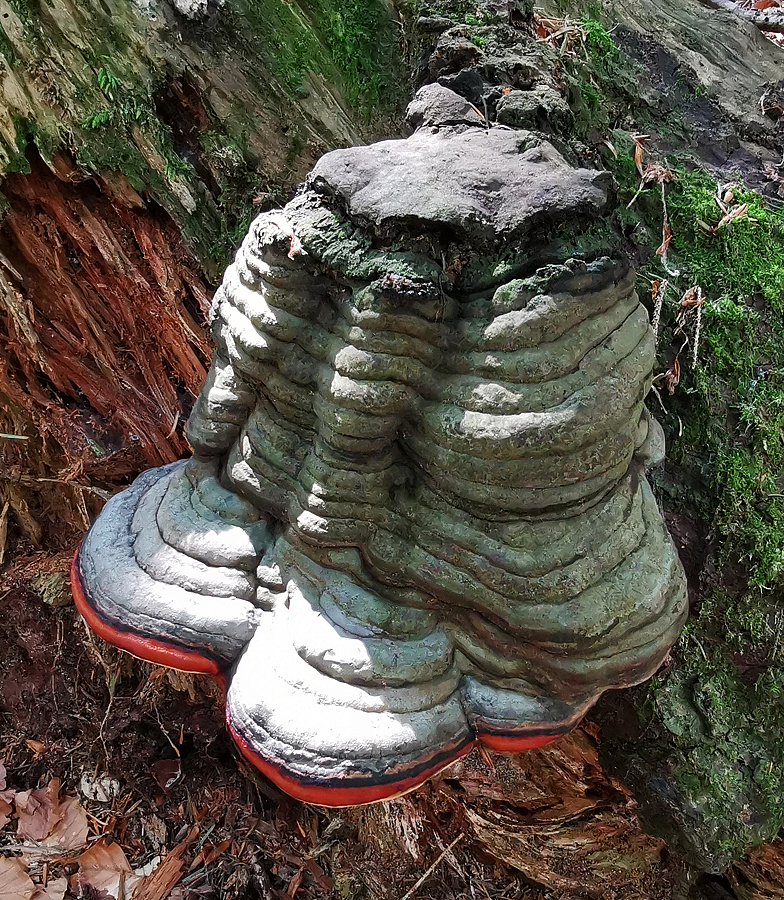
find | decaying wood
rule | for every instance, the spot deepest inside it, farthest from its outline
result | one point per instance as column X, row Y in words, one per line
column 764, row 19
column 146, row 135
column 101, row 312
column 553, row 815
column 729, row 56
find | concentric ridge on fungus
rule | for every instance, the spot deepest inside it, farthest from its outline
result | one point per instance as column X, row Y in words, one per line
column 416, row 515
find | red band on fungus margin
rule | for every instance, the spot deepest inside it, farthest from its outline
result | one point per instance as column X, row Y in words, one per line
column 513, row 744
column 149, row 650
column 337, row 796
column 164, row 654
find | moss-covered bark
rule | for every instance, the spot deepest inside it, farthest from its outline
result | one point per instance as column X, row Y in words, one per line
column 702, row 745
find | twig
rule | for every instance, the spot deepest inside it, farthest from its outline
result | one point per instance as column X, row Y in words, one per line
column 432, row 868
column 658, row 304
column 673, row 273
column 697, row 328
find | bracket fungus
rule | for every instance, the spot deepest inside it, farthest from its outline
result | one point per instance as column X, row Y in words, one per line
column 416, row 516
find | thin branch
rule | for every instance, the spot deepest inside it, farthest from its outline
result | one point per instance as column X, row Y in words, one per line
column 432, row 869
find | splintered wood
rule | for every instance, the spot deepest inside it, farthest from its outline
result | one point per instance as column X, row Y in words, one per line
column 101, row 326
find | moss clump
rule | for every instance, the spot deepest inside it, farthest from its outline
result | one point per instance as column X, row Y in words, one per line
column 602, row 82
column 711, row 767
column 720, row 707
column 736, row 392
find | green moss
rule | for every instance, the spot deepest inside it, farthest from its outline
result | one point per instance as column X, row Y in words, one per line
column 7, row 49
column 708, row 766
column 29, row 14
column 737, row 390
column 713, row 751
column 601, row 81
column 729, row 733
column 361, row 39
column 726, row 418
column 353, row 42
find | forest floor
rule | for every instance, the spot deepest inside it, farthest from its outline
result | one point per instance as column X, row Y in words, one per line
column 118, row 780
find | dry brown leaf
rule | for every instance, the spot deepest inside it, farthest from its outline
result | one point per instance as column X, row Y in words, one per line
column 666, row 238
column 656, row 174
column 38, row 748
column 737, row 212
column 638, row 158
column 15, row 883
column 166, row 772
column 55, row 890
column 5, row 807
column 3, row 529
column 294, row 884
column 37, row 811
column 105, row 868
column 672, row 376
column 319, row 875
column 71, row 830
column 692, row 297
column 6, row 796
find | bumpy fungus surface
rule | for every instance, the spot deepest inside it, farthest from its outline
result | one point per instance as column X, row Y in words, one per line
column 416, row 515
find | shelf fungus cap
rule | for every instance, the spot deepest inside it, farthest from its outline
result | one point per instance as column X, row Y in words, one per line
column 416, row 517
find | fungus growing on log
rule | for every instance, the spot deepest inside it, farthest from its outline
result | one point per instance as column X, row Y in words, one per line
column 416, row 515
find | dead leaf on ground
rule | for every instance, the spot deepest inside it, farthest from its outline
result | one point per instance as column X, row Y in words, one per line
column 38, row 748
column 43, row 818
column 5, row 807
column 294, row 884
column 3, row 529
column 72, row 828
column 55, row 890
column 37, row 811
column 6, row 796
column 320, row 876
column 166, row 772
column 105, row 867
column 15, row 883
